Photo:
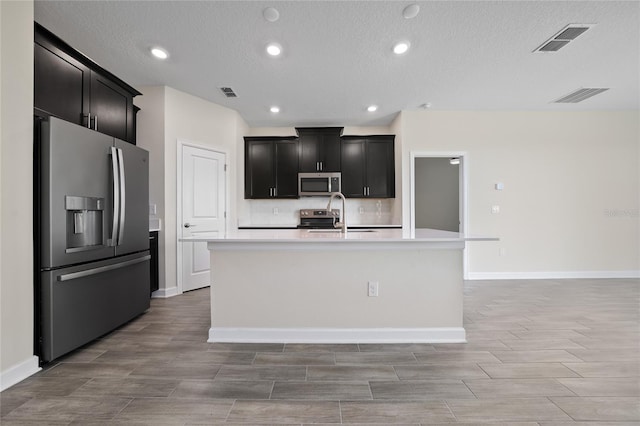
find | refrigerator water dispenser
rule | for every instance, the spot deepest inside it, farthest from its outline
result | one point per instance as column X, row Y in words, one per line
column 84, row 223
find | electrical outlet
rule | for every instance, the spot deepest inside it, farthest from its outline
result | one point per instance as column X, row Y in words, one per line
column 276, row 211
column 152, row 209
column 495, row 209
column 502, row 251
column 373, row 288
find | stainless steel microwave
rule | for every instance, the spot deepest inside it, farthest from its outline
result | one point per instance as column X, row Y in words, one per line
column 310, row 184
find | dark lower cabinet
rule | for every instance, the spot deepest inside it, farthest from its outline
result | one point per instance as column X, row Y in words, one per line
column 368, row 167
column 153, row 248
column 70, row 86
column 271, row 167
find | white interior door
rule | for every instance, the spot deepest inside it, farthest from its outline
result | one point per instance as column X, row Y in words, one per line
column 203, row 210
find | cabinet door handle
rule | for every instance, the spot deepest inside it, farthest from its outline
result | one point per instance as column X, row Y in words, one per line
column 321, row 166
column 275, row 192
column 95, row 123
column 368, row 191
column 88, row 117
column 364, row 191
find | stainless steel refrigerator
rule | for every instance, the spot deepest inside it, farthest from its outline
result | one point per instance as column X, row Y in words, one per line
column 94, row 235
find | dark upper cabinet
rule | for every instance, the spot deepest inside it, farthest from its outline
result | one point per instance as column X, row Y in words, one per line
column 368, row 168
column 72, row 87
column 353, row 167
column 319, row 149
column 61, row 84
column 258, row 168
column 271, row 167
column 111, row 108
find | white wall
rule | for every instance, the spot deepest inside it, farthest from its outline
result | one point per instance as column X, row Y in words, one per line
column 16, row 182
column 150, row 136
column 398, row 205
column 570, row 203
column 192, row 119
column 166, row 116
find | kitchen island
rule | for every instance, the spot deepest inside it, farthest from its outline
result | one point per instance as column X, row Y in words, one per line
column 318, row 286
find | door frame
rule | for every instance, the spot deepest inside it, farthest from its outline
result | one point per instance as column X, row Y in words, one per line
column 179, row 148
column 462, row 193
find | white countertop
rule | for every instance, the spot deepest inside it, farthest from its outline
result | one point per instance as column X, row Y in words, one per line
column 355, row 235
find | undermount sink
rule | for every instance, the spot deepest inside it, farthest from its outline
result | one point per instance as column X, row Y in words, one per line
column 338, row 230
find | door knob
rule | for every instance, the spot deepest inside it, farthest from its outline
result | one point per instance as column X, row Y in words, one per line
column 188, row 225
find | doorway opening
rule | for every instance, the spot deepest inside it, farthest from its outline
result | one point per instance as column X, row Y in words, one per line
column 439, row 192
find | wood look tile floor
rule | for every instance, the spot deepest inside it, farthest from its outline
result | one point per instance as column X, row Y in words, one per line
column 539, row 353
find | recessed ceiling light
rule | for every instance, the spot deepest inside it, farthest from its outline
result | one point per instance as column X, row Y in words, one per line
column 271, row 14
column 411, row 11
column 401, row 47
column 274, row 49
column 372, row 108
column 274, row 109
column 159, row 53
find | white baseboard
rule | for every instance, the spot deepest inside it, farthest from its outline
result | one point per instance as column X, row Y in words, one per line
column 337, row 335
column 164, row 293
column 18, row 373
column 551, row 275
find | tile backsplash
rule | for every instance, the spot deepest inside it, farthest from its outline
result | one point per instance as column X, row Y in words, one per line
column 285, row 212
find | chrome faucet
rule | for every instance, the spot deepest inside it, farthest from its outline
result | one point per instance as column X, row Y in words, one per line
column 342, row 225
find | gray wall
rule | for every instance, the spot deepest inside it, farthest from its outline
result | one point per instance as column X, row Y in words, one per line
column 437, row 194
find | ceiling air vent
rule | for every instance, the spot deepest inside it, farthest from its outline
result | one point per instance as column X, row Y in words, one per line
column 228, row 92
column 563, row 37
column 579, row 95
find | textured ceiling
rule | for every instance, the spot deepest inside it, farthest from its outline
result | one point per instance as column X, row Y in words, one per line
column 337, row 59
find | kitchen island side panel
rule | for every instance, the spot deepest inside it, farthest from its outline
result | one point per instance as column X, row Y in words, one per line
column 419, row 288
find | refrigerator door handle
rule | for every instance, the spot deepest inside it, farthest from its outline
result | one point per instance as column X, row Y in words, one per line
column 116, row 197
column 122, row 196
column 100, row 270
